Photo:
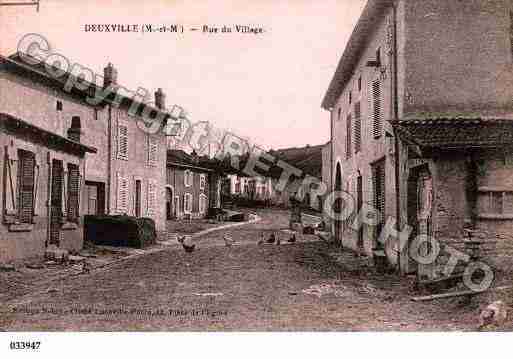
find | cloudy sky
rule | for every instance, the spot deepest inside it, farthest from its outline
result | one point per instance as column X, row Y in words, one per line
column 267, row 87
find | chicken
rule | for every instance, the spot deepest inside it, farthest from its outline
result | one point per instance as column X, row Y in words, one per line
column 292, row 238
column 493, row 315
column 180, row 239
column 228, row 240
column 86, row 267
column 187, row 244
column 261, row 240
column 272, row 239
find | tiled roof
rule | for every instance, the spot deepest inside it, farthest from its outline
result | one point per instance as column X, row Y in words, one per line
column 49, row 139
column 457, row 132
column 182, row 159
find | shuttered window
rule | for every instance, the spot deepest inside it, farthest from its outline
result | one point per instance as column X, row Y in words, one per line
column 122, row 142
column 26, row 180
column 152, row 150
column 152, row 197
column 187, row 178
column 357, row 127
column 376, row 107
column 379, row 180
column 349, row 132
column 203, row 181
column 122, row 195
column 73, row 193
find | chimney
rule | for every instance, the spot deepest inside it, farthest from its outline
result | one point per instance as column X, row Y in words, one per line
column 160, row 99
column 75, row 130
column 110, row 76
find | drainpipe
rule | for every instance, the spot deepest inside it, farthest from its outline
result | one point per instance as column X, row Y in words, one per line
column 331, row 161
column 395, row 117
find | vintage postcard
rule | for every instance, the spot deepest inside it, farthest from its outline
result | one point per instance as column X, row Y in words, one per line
column 261, row 166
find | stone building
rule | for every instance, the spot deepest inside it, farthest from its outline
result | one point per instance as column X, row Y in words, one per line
column 124, row 169
column 421, row 116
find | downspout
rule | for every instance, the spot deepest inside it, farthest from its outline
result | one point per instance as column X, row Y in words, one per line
column 109, row 162
column 395, row 117
column 332, row 229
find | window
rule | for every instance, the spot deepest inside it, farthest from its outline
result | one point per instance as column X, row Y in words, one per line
column 151, row 198
column 58, row 105
column 376, row 114
column 497, row 202
column 349, row 131
column 359, row 84
column 73, row 193
column 339, row 113
column 152, row 150
column 202, row 203
column 203, row 181
column 378, row 56
column 187, row 178
column 122, row 195
column 26, row 176
column 378, row 179
column 350, row 97
column 122, row 142
column 357, row 127
column 187, row 203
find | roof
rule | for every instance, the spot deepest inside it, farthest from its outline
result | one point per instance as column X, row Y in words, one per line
column 179, row 158
column 308, row 159
column 367, row 23
column 39, row 72
column 49, row 139
column 457, row 132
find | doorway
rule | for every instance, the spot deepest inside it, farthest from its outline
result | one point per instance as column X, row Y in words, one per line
column 169, row 203
column 95, row 198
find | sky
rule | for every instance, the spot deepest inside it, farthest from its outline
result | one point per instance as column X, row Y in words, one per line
column 267, row 87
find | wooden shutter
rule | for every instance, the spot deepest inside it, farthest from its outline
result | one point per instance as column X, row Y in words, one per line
column 357, row 127
column 122, row 195
column 376, row 105
column 73, row 192
column 123, row 141
column 349, row 131
column 152, row 197
column 27, row 163
column 152, row 150
column 379, row 192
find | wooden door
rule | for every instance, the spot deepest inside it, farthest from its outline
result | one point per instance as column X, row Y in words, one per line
column 56, row 201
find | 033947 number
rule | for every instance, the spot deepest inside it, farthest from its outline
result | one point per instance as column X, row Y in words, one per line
column 24, row 345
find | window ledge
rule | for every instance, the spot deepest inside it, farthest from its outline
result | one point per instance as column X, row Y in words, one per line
column 69, row 226
column 496, row 216
column 21, row 227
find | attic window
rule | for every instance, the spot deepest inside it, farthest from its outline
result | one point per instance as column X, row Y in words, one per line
column 58, row 105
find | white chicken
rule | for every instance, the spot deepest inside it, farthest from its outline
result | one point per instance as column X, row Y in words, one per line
column 228, row 240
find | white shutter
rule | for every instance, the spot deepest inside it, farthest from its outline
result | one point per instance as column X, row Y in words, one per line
column 123, row 141
column 151, row 197
column 122, row 194
column 152, row 150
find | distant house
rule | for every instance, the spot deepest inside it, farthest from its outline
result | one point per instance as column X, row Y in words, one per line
column 255, row 188
column 192, row 188
column 308, row 160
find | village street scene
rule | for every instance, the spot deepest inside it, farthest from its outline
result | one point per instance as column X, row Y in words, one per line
column 133, row 199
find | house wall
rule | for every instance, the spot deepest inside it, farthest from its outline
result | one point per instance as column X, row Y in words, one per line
column 175, row 179
column 458, row 57
column 372, row 149
column 137, row 167
column 18, row 245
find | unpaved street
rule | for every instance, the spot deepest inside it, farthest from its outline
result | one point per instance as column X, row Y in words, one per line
column 306, row 286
